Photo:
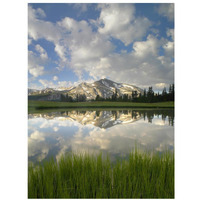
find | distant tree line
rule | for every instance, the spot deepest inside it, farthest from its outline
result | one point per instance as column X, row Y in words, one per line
column 79, row 98
column 149, row 96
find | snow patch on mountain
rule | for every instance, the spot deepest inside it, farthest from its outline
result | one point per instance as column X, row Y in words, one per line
column 117, row 85
column 128, row 86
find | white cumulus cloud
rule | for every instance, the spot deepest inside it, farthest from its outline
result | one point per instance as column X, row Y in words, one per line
column 43, row 53
column 37, row 71
column 36, row 63
column 169, row 48
column 119, row 21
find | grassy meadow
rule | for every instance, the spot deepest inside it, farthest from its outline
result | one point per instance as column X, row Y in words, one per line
column 39, row 105
column 143, row 175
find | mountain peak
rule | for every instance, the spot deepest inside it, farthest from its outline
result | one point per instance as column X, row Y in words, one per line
column 105, row 79
column 103, row 87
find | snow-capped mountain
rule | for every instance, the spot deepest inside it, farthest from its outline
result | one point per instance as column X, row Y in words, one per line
column 32, row 91
column 104, row 88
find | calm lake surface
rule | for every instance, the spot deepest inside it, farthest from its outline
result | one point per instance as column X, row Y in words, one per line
column 115, row 132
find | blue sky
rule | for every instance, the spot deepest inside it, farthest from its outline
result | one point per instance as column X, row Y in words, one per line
column 129, row 43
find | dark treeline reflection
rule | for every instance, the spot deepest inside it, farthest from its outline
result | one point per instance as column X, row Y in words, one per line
column 150, row 114
column 113, row 115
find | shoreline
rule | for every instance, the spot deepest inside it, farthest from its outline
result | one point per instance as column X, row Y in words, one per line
column 42, row 105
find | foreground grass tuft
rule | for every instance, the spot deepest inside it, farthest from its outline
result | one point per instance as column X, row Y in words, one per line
column 143, row 175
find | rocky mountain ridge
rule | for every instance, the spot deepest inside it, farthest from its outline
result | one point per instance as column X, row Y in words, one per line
column 103, row 87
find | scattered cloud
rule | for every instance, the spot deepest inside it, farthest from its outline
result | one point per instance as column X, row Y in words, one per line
column 82, row 49
column 81, row 7
column 167, row 10
column 47, row 84
column 37, row 71
column 119, row 21
column 38, row 28
column 29, row 41
column 64, row 83
column 43, row 53
column 170, row 33
column 40, row 13
column 60, row 50
column 146, row 48
column 36, row 64
column 169, row 49
column 51, row 84
column 55, row 78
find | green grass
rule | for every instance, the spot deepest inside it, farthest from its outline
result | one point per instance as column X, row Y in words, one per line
column 143, row 175
column 38, row 105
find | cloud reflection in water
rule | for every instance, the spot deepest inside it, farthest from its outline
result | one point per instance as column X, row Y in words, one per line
column 113, row 132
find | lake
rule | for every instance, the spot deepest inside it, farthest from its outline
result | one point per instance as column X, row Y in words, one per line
column 113, row 132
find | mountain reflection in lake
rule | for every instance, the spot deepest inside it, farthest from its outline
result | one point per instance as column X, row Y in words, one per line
column 115, row 132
